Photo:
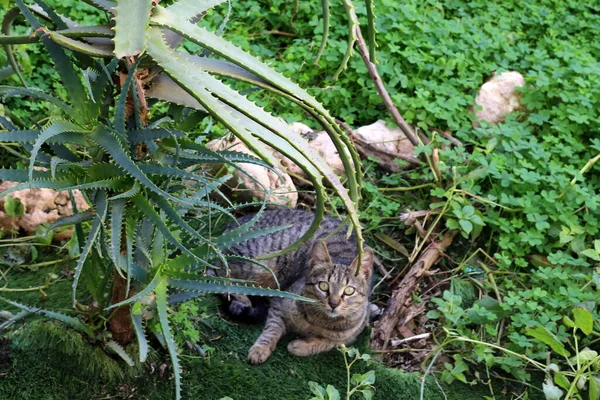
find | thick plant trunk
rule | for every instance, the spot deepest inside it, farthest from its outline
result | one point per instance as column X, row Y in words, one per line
column 120, row 325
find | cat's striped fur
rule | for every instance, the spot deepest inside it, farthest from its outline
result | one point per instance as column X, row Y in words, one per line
column 322, row 269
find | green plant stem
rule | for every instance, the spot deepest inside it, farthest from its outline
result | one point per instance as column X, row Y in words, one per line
column 537, row 364
column 407, row 189
column 586, row 167
column 579, row 374
column 347, row 374
column 48, row 263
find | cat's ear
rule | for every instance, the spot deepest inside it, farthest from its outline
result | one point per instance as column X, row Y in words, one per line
column 319, row 253
column 366, row 267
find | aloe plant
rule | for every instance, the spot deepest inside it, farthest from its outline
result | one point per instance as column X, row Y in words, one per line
column 139, row 241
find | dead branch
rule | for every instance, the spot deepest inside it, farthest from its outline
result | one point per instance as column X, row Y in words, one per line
column 398, row 303
column 383, row 93
column 411, row 339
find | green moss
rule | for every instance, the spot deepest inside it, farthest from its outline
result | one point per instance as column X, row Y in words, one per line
column 37, row 373
column 49, row 361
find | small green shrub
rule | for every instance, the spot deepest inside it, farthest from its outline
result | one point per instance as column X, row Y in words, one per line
column 360, row 385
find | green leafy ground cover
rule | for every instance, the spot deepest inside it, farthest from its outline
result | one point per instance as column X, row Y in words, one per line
column 524, row 194
column 519, row 192
column 47, row 374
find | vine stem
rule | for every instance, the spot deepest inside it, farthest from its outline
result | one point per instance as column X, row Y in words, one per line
column 383, row 93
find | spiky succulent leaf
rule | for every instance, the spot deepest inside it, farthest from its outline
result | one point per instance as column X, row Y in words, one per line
column 104, row 5
column 79, row 46
column 144, row 135
column 120, row 351
column 141, row 294
column 101, row 204
column 175, row 218
column 56, row 128
column 241, row 235
column 352, row 38
column 138, row 326
column 191, row 8
column 62, row 184
column 234, row 54
column 20, row 175
column 121, row 103
column 135, row 189
column 14, row 318
column 30, row 136
column 117, row 210
column 112, row 144
column 58, row 20
column 7, row 22
column 72, row 219
column 161, row 307
column 130, row 36
column 144, row 205
column 70, row 321
column 230, row 288
column 11, row 91
column 69, row 77
column 172, row 62
column 165, row 89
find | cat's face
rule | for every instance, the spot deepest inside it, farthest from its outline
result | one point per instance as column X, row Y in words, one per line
column 339, row 291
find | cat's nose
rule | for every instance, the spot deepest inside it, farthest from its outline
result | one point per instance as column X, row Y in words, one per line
column 334, row 302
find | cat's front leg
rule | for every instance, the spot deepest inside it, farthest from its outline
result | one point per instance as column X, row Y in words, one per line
column 310, row 346
column 267, row 341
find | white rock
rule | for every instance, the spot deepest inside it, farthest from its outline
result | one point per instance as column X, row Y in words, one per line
column 498, row 97
column 40, row 206
column 322, row 143
column 279, row 191
column 300, row 128
column 383, row 143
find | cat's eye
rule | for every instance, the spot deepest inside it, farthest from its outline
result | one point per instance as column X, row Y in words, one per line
column 324, row 286
column 349, row 291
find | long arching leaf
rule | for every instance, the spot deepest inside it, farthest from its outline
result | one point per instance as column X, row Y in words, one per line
column 56, row 128
column 130, row 38
column 136, row 319
column 192, row 8
column 11, row 91
column 144, row 205
column 7, row 22
column 71, row 321
column 230, row 288
column 140, row 295
column 69, row 76
column 113, row 146
column 101, row 208
column 161, row 307
column 144, row 135
column 117, row 210
column 72, row 219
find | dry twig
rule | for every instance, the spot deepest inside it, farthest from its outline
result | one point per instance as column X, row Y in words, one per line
column 395, row 310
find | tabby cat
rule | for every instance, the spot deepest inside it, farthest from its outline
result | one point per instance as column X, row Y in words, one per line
column 322, row 269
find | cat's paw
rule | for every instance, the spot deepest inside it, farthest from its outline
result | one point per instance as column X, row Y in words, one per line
column 258, row 354
column 310, row 346
column 300, row 348
column 238, row 308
